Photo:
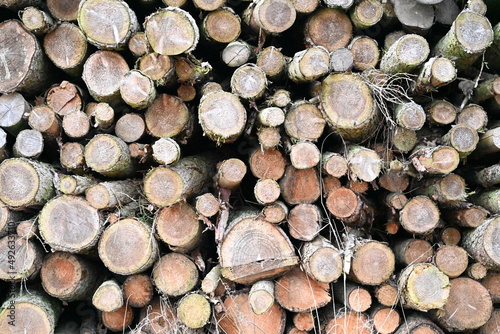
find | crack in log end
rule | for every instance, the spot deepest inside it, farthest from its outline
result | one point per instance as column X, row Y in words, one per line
column 258, row 270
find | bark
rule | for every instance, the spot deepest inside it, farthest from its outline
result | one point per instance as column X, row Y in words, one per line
column 175, row 274
column 109, row 156
column 194, row 310
column 304, row 121
column 211, row 280
column 489, row 200
column 222, row 25
column 336, row 36
column 480, row 243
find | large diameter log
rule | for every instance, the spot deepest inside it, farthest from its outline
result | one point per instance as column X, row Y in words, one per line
column 469, row 303
column 414, row 15
column 115, row 249
column 175, row 274
column 21, row 258
column 222, row 116
column 463, row 44
column 184, row 33
column 405, row 54
column 25, row 183
column 24, row 65
column 423, row 287
column 109, row 155
column 239, row 318
column 329, row 28
column 108, row 24
column 189, row 177
column 29, row 312
column 69, row 277
column 69, row 223
column 348, row 106
column 373, row 263
column 482, row 243
column 253, row 249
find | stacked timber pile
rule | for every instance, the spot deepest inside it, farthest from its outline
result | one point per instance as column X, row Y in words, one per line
column 275, row 166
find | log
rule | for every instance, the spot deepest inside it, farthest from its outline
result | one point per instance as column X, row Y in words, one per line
column 25, row 67
column 447, row 190
column 354, row 296
column 365, row 51
column 64, row 97
column 222, row 116
column 101, row 115
column 175, row 274
column 189, row 177
column 468, row 216
column 441, row 112
column 280, row 98
column 414, row 15
column 490, row 282
column 264, row 251
column 313, row 294
column 178, row 226
column 435, row 160
column 230, row 173
column 211, row 280
column 158, row 67
column 249, row 81
column 35, row 20
column 130, row 127
column 275, row 212
column 267, row 164
column 137, row 90
column 304, row 222
column 194, row 310
column 492, row 325
column 309, row 64
column 29, row 144
column 304, row 155
column 272, row 61
column 474, row 116
column 13, row 108
column 266, row 191
column 452, row 260
column 416, row 323
column 480, row 243
column 413, row 251
column 269, row 138
column 76, row 124
column 57, row 224
column 404, row 140
column 436, row 72
column 271, row 117
column 420, row 215
column 166, row 151
column 207, row 205
column 109, row 156
column 470, row 303
column 364, row 164
column 348, row 106
column 45, row 120
column 296, row 125
column 373, row 263
column 186, row 92
column 366, row 13
column 348, row 322
column 72, row 157
column 22, row 258
column 329, row 28
column 274, row 16
column 237, row 53
column 303, row 321
column 489, row 200
column 451, row 235
column 406, row 54
column 222, row 25
column 261, row 296
column 69, row 277
column 385, row 320
column 487, row 177
column 477, row 271
column 9, row 219
column 410, row 116
column 138, row 290
column 387, row 294
column 463, row 138
column 118, row 320
column 300, row 186
column 138, row 44
column 67, row 11
column 333, row 164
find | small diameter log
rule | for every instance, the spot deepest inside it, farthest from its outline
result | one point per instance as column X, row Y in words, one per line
column 404, row 140
column 22, row 258
column 175, row 274
column 179, row 227
column 34, row 312
column 271, row 117
column 447, row 190
column 138, row 290
column 194, row 310
column 158, row 67
column 69, row 277
column 64, row 97
column 491, row 283
column 304, row 222
column 488, row 199
column 372, row 264
column 364, row 164
column 66, row 46
column 102, row 115
column 423, row 287
column 486, row 90
column 76, row 124
column 489, row 142
column 300, row 186
column 29, row 144
column 103, row 73
column 35, row 20
column 396, row 200
column 166, row 151
column 261, row 296
column 474, row 116
column 462, row 138
column 395, row 180
column 186, row 92
column 441, row 112
column 416, row 323
column 27, row 229
column 207, row 205
column 435, row 160
column 108, row 297
column 365, row 51
column 211, row 280
column 264, row 250
column 304, row 321
column 405, row 54
column 231, row 172
column 463, row 45
column 272, row 61
column 451, row 260
column 108, row 24
column 13, row 108
column 108, row 155
column 469, row 302
column 487, row 177
column 451, row 236
column 267, row 164
column 435, row 73
column 109, row 195
column 280, row 98
column 413, row 251
column 304, row 155
column 342, row 60
column 420, row 215
column 183, row 36
column 275, row 212
column 4, row 151
column 248, row 82
column 118, row 320
column 67, row 11
column 366, row 13
column 190, row 176
column 333, row 164
column 392, row 37
column 468, row 216
column 387, row 294
column 313, row 295
column 222, row 25
column 57, row 224
column 25, row 68
column 272, row 16
column 9, row 219
column 168, row 116
column 348, row 106
column 348, row 322
column 130, row 127
column 237, row 53
column 309, row 65
column 354, row 296
column 304, row 121
column 329, row 28
column 72, row 157
column 480, row 243
column 44, row 119
column 240, row 319
column 477, row 271
column 137, row 90
column 138, row 44
column 222, row 116
column 410, row 116
column 414, row 16
column 269, row 138
column 33, row 184
column 385, row 320
column 266, row 191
